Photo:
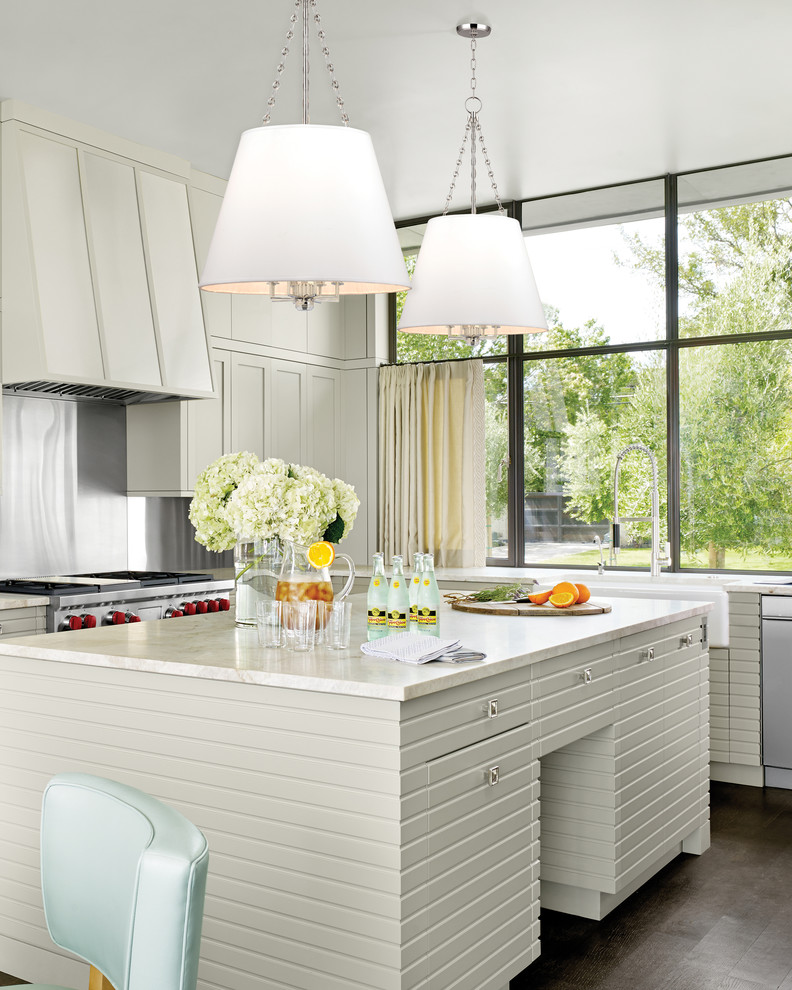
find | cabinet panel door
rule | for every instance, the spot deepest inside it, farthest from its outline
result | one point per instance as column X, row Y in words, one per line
column 60, row 257
column 204, row 208
column 174, row 283
column 209, row 421
column 323, row 428
column 122, row 293
column 288, row 403
column 250, row 389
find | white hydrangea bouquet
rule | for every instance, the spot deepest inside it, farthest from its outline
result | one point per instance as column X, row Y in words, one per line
column 238, row 497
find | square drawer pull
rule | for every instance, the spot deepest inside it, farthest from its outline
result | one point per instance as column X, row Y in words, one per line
column 492, row 708
column 645, row 655
column 587, row 677
column 686, row 641
column 493, row 776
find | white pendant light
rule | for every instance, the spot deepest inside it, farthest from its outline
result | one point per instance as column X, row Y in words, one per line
column 473, row 278
column 305, row 216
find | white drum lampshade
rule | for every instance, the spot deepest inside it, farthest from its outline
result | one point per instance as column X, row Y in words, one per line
column 472, row 273
column 305, row 203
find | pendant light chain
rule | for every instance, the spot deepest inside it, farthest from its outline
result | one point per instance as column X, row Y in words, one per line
column 304, row 5
column 330, row 67
column 473, row 133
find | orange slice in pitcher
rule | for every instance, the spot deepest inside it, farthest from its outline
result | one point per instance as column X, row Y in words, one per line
column 321, row 554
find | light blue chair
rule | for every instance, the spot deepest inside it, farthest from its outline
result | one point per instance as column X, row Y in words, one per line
column 123, row 878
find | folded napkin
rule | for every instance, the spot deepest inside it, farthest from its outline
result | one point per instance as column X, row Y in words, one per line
column 409, row 647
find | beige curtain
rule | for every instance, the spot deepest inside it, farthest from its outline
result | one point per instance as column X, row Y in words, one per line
column 431, row 461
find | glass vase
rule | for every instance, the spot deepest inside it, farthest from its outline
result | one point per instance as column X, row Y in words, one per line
column 257, row 564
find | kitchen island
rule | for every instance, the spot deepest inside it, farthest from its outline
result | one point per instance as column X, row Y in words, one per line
column 372, row 824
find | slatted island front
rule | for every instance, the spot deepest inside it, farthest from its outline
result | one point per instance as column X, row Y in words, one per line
column 373, row 825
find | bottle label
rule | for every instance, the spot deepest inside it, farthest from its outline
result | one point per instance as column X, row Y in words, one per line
column 377, row 617
column 427, row 617
column 396, row 584
column 397, row 619
column 376, row 582
column 413, row 613
column 426, row 582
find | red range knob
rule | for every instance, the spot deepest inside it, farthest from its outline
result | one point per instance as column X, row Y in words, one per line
column 118, row 618
column 201, row 607
column 89, row 621
column 173, row 613
column 188, row 608
column 74, row 622
column 224, row 604
column 214, row 605
column 131, row 617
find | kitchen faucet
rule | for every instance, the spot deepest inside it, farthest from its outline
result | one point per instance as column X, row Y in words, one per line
column 655, row 559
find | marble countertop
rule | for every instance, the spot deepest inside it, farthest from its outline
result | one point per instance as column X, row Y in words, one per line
column 22, row 601
column 761, row 587
column 211, row 646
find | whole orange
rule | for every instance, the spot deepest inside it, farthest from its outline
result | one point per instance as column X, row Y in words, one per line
column 583, row 593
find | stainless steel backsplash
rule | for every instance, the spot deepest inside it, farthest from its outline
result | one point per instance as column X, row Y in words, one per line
column 64, row 507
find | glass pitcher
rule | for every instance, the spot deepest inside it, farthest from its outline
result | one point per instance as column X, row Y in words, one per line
column 300, row 581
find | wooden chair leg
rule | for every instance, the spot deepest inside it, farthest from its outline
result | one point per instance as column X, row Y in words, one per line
column 98, row 982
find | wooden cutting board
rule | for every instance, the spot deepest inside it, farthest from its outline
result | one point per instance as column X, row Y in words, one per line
column 590, row 607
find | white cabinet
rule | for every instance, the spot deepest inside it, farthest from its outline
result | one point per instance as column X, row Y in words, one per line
column 99, row 280
column 288, row 411
column 272, row 408
column 170, row 443
column 250, row 388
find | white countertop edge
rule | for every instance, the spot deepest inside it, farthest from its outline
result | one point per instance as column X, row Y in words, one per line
column 425, row 679
column 18, row 601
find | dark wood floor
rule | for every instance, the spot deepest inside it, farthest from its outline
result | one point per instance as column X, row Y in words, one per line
column 721, row 921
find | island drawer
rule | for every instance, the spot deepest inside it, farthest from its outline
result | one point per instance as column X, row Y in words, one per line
column 443, row 722
column 573, row 695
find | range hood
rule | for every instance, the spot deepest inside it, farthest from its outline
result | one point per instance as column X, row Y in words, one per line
column 99, row 281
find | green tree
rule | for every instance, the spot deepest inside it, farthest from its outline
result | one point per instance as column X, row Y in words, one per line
column 735, row 400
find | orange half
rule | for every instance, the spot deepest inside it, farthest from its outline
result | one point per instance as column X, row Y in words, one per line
column 567, row 588
column 321, row 554
column 540, row 598
column 562, row 600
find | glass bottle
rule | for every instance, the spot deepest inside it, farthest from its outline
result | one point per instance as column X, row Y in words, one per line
column 415, row 585
column 377, row 600
column 429, row 599
column 398, row 598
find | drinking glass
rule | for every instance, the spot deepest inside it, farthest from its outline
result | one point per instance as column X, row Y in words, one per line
column 268, row 622
column 299, row 624
column 337, row 618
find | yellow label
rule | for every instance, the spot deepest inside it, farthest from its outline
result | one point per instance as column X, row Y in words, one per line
column 376, row 582
column 395, row 584
column 426, row 582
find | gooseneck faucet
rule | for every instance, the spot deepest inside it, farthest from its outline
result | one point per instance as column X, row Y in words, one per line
column 655, row 558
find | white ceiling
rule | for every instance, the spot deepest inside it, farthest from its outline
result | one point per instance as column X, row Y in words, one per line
column 574, row 93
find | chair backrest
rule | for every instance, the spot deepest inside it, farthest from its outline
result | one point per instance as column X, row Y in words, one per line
column 123, row 878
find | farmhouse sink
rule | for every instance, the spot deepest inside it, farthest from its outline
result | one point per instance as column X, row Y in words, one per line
column 677, row 587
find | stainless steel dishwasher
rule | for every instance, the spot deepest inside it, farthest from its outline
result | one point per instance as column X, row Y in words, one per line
column 777, row 690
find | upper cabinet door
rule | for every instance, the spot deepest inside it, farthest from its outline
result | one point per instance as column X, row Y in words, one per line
column 174, row 283
column 62, row 283
column 122, row 291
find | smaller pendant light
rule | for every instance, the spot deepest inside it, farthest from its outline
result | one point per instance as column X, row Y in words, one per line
column 305, row 216
column 473, row 278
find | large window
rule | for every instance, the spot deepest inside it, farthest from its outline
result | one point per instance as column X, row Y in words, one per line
column 669, row 304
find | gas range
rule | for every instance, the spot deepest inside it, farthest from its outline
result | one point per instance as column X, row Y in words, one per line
column 106, row 598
